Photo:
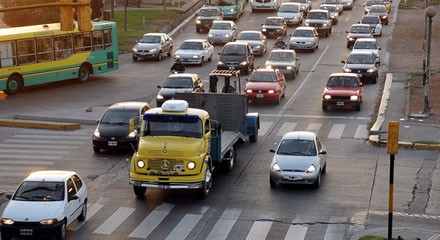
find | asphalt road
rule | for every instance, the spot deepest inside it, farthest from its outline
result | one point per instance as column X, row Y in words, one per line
column 241, row 204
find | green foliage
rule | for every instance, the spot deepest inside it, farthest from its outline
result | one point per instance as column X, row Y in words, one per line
column 30, row 16
column 372, row 238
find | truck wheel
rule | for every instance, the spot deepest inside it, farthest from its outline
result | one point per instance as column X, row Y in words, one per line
column 206, row 185
column 229, row 161
column 139, row 191
column 253, row 138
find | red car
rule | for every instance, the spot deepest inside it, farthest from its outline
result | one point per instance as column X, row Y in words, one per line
column 381, row 11
column 343, row 90
column 266, row 84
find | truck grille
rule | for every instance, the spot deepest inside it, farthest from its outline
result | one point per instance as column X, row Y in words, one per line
column 341, row 97
column 158, row 164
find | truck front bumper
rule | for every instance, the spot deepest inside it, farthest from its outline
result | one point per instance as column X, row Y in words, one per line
column 167, row 185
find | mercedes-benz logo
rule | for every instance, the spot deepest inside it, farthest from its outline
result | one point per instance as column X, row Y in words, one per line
column 165, row 165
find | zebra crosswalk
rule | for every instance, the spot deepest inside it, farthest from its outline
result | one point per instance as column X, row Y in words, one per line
column 334, row 228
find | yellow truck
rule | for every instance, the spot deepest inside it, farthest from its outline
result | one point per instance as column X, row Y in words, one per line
column 184, row 141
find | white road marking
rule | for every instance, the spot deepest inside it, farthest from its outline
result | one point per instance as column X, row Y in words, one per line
column 286, row 127
column 186, row 225
column 336, row 131
column 314, row 127
column 264, row 127
column 335, row 231
column 361, row 132
column 224, row 225
column 114, row 220
column 152, row 221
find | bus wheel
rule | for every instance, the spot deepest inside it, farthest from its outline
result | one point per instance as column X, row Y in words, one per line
column 14, row 84
column 84, row 73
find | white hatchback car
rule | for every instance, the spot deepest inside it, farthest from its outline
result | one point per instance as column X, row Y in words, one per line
column 367, row 45
column 195, row 51
column 44, row 204
column 304, row 38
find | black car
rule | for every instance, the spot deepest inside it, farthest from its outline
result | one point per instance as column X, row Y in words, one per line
column 206, row 16
column 236, row 56
column 113, row 130
column 181, row 82
column 364, row 64
column 274, row 27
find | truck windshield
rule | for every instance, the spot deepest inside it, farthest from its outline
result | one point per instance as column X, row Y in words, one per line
column 172, row 125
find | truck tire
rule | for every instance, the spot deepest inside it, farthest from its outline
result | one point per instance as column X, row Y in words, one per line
column 139, row 191
column 253, row 138
column 206, row 185
column 229, row 160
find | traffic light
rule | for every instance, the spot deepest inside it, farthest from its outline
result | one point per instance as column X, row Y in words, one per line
column 66, row 16
column 84, row 13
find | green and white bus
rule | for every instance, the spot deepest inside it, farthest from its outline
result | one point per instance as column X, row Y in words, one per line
column 232, row 9
column 40, row 54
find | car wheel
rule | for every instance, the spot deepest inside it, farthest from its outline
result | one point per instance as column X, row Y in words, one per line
column 272, row 183
column 324, row 169
column 210, row 58
column 197, row 30
column 229, row 160
column 170, row 52
column 83, row 214
column 135, row 59
column 139, row 191
column 317, row 182
column 348, row 45
column 375, row 80
column 96, row 150
column 358, row 107
column 294, row 74
column 202, row 61
column 62, row 231
column 6, row 237
column 159, row 56
column 324, row 107
column 206, row 184
column 14, row 84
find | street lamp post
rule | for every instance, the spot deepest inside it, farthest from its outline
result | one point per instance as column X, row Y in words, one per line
column 430, row 13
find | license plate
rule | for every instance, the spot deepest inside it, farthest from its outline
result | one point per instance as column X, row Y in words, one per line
column 112, row 143
column 293, row 177
column 270, row 33
column 340, row 103
column 26, row 232
column 260, row 95
column 206, row 25
column 359, row 75
column 231, row 68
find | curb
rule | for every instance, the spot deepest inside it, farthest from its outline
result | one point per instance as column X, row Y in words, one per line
column 39, row 124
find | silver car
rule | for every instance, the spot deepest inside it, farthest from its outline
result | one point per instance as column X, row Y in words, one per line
column 304, row 38
column 195, row 51
column 287, row 61
column 222, row 32
column 291, row 12
column 300, row 158
column 334, row 14
column 153, row 45
column 257, row 40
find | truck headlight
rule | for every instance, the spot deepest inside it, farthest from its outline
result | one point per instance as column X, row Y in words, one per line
column 140, row 164
column 354, row 98
column 191, row 165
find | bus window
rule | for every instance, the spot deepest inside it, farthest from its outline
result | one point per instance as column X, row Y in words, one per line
column 107, row 38
column 63, row 46
column 45, row 49
column 7, row 54
column 26, row 51
column 83, row 42
column 97, row 40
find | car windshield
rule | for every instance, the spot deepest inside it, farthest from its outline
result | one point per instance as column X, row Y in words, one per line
column 360, row 29
column 329, row 8
column 378, row 9
column 302, row 33
column 273, row 22
column 40, row 191
column 299, row 1
column 281, row 56
column 178, row 82
column 249, row 36
column 332, row 2
column 297, row 147
column 119, row 116
column 191, row 46
column 150, row 39
column 371, row 3
column 172, row 125
column 360, row 59
column 289, row 8
column 221, row 26
column 263, row 77
column 317, row 15
column 208, row 12
column 365, row 45
column 234, row 50
column 342, row 82
column 370, row 20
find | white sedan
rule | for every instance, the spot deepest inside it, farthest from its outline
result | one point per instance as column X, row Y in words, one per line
column 195, row 51
column 44, row 204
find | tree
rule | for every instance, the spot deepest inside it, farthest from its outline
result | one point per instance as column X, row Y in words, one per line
column 96, row 6
column 30, row 16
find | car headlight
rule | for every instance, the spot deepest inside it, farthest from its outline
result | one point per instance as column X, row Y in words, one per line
column 383, row 17
column 354, row 98
column 249, row 90
column 132, row 134
column 306, row 24
column 135, row 50
column 140, row 164
column 263, row 29
column 210, row 35
column 289, row 68
column 269, row 66
column 296, row 18
column 347, row 70
column 243, row 63
column 227, row 35
column 371, row 70
column 96, row 133
column 159, row 97
column 7, row 221
column 279, row 30
column 276, row 168
column 191, row 165
column 153, row 50
column 49, row 221
column 220, row 63
column 177, row 56
column 350, row 39
column 231, row 10
column 195, row 56
column 271, row 91
column 256, row 47
column 324, row 25
column 198, row 22
column 327, row 97
column 311, row 169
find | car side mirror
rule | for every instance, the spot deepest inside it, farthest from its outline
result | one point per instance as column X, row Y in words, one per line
column 219, row 53
column 379, row 48
column 323, row 152
column 72, row 198
column 159, row 86
column 272, row 150
column 97, row 121
column 346, row 32
column 343, row 62
column 9, row 196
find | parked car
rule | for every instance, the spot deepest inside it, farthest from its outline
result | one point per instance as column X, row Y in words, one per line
column 266, row 84
column 264, row 5
column 274, row 27
column 367, row 45
column 206, row 16
column 181, row 82
column 44, row 205
column 236, row 56
column 113, row 129
column 287, row 61
column 306, row 5
column 153, row 45
column 319, row 19
column 343, row 90
column 256, row 39
column 304, row 38
column 381, row 11
column 300, row 158
column 364, row 64
column 347, row 4
column 358, row 31
column 337, row 3
column 195, row 51
column 334, row 14
column 374, row 22
column 222, row 32
column 291, row 12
